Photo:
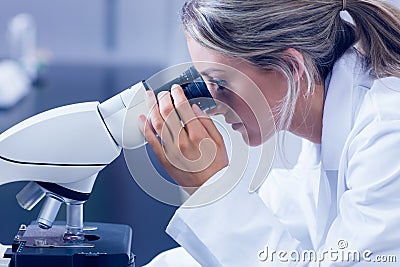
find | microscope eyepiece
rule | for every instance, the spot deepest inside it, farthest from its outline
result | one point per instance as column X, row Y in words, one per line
column 193, row 86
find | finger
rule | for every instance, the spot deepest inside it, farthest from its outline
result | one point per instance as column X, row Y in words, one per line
column 155, row 117
column 169, row 115
column 192, row 124
column 151, row 138
column 207, row 123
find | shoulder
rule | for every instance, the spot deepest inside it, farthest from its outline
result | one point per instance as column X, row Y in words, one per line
column 384, row 97
column 374, row 141
column 378, row 119
column 381, row 103
column 372, row 99
column 375, row 108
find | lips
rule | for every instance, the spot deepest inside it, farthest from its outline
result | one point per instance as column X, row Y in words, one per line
column 237, row 126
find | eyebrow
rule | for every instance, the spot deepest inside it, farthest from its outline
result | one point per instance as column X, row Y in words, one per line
column 210, row 70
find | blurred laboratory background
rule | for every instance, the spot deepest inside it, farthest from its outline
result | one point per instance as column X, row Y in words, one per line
column 80, row 51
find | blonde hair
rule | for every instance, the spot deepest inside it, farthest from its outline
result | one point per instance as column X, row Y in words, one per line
column 260, row 31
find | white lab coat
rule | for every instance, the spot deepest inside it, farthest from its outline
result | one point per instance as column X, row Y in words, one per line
column 344, row 192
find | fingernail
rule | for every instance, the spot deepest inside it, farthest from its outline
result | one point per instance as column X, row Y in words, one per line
column 174, row 87
column 162, row 94
column 149, row 99
column 149, row 93
column 174, row 90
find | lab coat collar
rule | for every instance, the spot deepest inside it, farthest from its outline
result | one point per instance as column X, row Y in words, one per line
column 338, row 109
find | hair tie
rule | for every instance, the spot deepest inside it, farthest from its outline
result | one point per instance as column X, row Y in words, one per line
column 344, row 5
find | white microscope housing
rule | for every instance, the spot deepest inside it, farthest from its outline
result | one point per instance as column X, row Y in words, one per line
column 61, row 151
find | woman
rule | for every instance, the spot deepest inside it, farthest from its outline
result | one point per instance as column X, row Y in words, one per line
column 326, row 80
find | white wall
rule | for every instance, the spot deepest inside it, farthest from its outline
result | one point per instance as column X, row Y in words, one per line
column 121, row 31
column 137, row 32
column 394, row 2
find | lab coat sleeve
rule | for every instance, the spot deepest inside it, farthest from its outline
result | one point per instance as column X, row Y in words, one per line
column 369, row 216
column 173, row 258
column 236, row 230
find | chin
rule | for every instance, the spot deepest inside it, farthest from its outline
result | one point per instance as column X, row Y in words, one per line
column 251, row 140
column 254, row 143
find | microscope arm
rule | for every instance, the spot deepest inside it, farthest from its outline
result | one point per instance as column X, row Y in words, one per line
column 120, row 114
column 69, row 145
column 64, row 146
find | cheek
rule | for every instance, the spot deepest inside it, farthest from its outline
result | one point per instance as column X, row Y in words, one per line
column 247, row 115
column 257, row 117
column 274, row 88
column 234, row 103
column 252, row 128
column 252, row 108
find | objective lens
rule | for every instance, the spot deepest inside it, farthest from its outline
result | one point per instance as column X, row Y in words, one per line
column 74, row 232
column 30, row 195
column 49, row 212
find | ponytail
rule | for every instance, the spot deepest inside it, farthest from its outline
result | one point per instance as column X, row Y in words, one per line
column 378, row 33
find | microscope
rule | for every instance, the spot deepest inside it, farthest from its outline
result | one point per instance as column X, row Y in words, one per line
column 60, row 153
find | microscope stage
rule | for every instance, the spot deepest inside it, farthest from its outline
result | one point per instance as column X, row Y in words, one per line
column 105, row 245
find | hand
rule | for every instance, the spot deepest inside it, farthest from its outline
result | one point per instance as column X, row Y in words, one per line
column 190, row 153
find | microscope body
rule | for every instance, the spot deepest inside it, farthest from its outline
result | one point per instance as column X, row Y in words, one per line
column 70, row 144
column 60, row 153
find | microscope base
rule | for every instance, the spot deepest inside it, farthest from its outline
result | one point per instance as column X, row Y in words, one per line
column 3, row 262
column 105, row 245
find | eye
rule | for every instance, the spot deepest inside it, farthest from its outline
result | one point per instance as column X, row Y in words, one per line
column 221, row 84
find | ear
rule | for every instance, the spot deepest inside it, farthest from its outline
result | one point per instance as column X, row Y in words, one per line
column 296, row 59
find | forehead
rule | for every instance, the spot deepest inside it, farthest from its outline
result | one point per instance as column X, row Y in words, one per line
column 200, row 53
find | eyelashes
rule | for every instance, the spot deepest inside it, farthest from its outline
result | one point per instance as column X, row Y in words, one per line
column 221, row 84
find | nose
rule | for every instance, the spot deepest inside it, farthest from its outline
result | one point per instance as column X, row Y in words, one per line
column 229, row 114
column 220, row 109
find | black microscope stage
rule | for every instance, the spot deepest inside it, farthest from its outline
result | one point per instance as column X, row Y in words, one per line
column 105, row 245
